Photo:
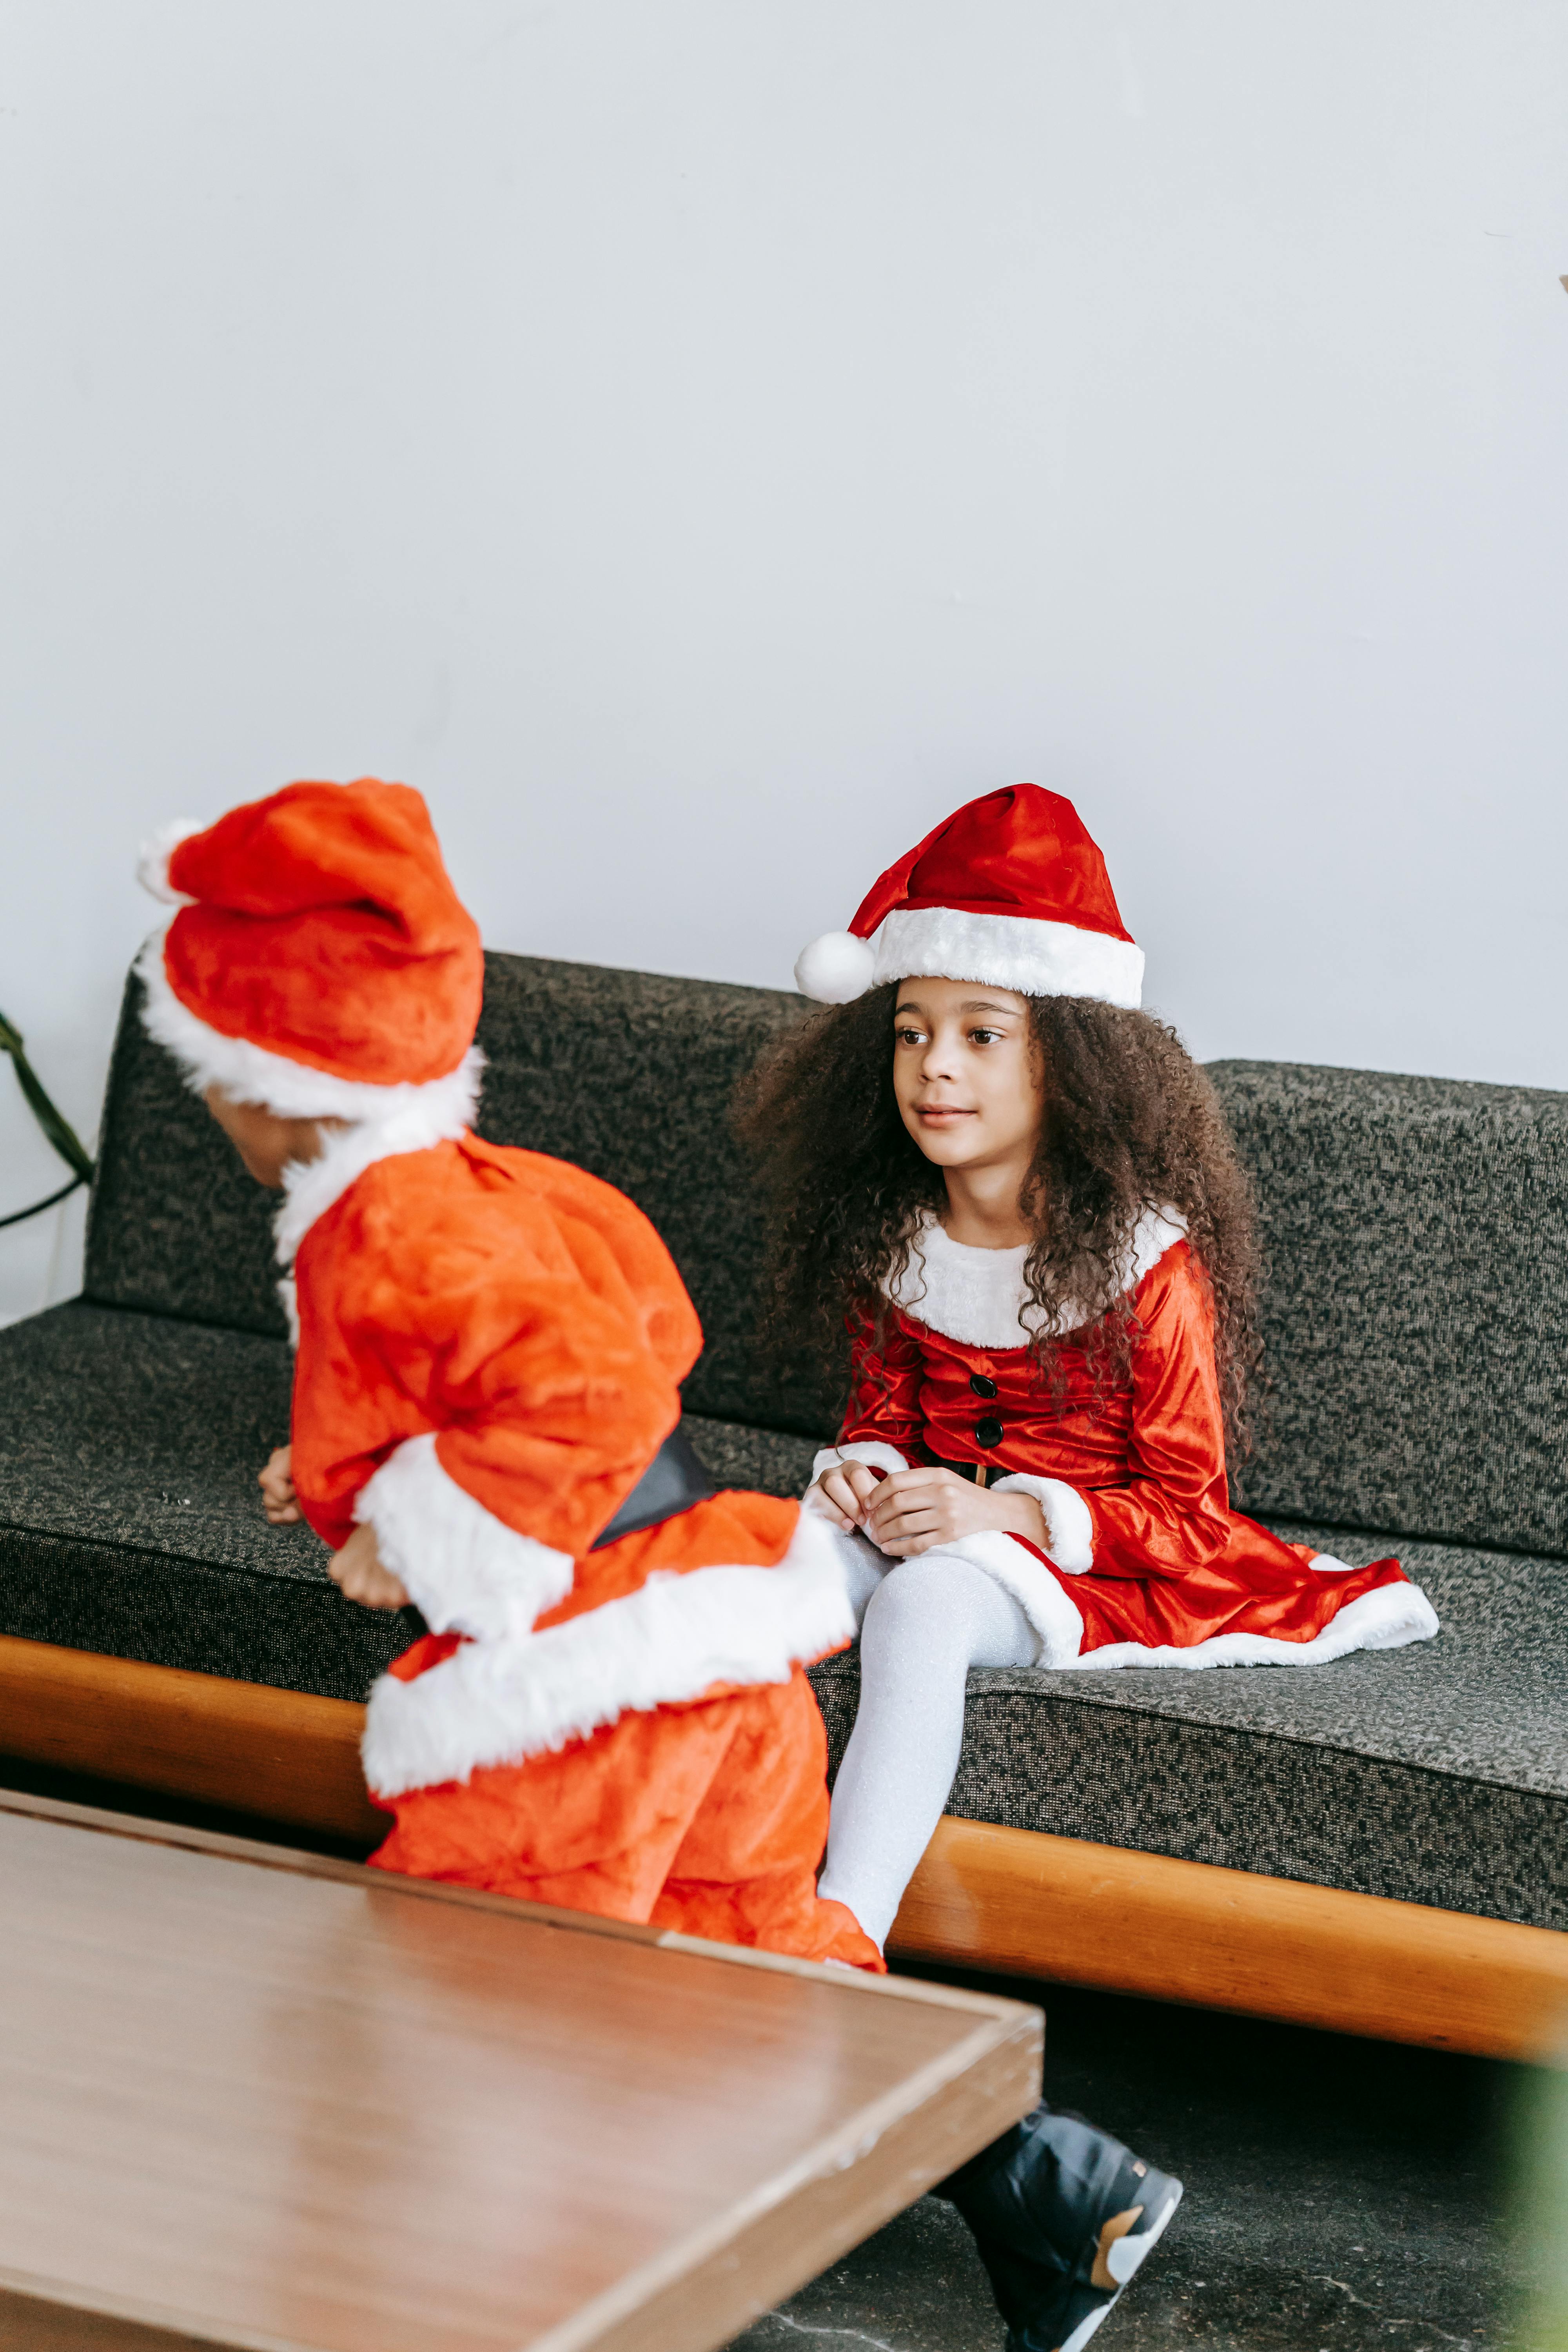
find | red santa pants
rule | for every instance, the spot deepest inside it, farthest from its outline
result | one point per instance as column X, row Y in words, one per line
column 709, row 1818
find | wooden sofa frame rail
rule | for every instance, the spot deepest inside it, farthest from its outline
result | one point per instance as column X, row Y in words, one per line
column 1013, row 1901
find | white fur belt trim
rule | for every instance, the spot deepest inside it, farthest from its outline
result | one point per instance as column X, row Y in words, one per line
column 466, row 1571
column 1070, row 1523
column 498, row 1701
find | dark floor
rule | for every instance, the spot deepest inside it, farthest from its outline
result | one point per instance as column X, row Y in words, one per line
column 1340, row 2194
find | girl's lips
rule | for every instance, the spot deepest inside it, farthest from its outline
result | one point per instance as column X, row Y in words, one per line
column 941, row 1110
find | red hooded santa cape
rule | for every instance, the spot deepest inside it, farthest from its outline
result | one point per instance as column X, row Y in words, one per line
column 491, row 1348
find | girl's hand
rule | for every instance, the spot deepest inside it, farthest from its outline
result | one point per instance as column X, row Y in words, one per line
column 916, row 1510
column 843, row 1492
column 276, row 1484
column 358, row 1573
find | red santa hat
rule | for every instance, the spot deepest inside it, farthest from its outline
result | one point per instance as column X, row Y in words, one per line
column 319, row 961
column 1009, row 891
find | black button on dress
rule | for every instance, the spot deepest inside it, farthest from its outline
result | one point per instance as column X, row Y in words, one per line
column 981, row 1383
column 988, row 1432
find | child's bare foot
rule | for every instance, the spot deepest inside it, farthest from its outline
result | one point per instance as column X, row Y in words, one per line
column 276, row 1484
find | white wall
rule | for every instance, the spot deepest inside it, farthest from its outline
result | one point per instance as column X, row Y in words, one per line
column 699, row 444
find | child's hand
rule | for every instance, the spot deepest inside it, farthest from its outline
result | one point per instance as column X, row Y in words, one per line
column 358, row 1573
column 916, row 1510
column 843, row 1492
column 276, row 1484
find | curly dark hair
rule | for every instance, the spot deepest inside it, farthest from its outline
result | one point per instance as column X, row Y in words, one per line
column 1130, row 1123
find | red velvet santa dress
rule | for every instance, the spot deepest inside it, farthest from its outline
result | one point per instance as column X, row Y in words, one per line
column 490, row 1347
column 1147, row 1564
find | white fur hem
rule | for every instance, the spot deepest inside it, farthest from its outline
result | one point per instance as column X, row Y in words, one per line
column 499, row 1702
column 251, row 1074
column 1016, row 951
column 1068, row 1520
column 977, row 1296
column 466, row 1571
column 1385, row 1619
column 1053, row 1618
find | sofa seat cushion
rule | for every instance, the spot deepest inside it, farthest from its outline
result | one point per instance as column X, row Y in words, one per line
column 1435, row 1774
column 129, row 1519
column 131, row 1524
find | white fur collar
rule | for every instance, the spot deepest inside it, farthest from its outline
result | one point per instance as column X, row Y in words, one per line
column 977, row 1296
column 437, row 1113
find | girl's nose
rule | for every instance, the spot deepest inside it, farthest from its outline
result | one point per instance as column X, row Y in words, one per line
column 940, row 1059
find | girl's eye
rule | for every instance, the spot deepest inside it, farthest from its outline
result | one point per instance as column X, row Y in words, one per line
column 984, row 1036
column 910, row 1036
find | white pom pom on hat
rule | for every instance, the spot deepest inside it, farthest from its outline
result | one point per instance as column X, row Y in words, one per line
column 153, row 864
column 835, row 968
column 1010, row 891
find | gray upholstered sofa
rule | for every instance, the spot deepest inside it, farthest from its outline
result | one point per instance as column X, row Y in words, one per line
column 1418, row 1240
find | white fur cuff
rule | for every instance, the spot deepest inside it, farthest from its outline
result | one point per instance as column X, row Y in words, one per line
column 870, row 1450
column 499, row 1702
column 466, row 1571
column 1070, row 1524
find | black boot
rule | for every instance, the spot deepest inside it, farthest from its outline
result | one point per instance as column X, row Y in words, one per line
column 1063, row 2215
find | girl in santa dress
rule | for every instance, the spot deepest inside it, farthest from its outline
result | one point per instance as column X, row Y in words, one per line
column 1019, row 1190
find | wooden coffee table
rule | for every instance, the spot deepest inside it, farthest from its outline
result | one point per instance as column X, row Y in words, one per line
column 249, row 2097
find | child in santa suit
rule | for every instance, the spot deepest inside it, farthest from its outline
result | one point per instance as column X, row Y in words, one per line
column 608, row 1711
column 1018, row 1190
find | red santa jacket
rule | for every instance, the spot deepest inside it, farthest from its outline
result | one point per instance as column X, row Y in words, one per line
column 491, row 1348
column 1147, row 1564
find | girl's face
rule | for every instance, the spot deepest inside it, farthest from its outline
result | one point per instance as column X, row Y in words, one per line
column 967, row 1074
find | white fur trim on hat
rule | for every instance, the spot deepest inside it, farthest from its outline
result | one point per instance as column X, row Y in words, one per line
column 835, row 968
column 466, row 1571
column 497, row 1701
column 1035, row 959
column 248, row 1073
column 152, row 864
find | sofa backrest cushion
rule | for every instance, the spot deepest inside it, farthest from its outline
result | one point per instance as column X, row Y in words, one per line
column 625, row 1073
column 1416, row 1232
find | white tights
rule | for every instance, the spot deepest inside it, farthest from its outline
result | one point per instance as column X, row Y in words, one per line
column 923, row 1623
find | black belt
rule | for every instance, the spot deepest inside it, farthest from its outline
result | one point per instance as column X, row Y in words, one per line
column 979, row 1473
column 673, row 1481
